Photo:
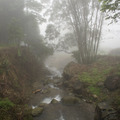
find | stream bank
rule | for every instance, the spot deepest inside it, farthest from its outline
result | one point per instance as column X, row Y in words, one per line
column 85, row 92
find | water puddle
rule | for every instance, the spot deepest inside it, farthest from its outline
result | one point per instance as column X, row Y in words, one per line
column 49, row 99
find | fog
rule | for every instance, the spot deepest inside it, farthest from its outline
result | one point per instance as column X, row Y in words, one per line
column 59, row 60
column 109, row 38
column 110, row 35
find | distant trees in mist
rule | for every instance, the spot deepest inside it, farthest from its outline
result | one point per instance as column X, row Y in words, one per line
column 19, row 21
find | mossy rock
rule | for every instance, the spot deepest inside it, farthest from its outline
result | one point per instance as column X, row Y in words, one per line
column 70, row 100
column 37, row 111
column 54, row 101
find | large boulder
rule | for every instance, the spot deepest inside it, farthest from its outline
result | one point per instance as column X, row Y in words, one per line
column 70, row 100
column 70, row 77
column 37, row 111
column 70, row 70
column 112, row 82
column 104, row 111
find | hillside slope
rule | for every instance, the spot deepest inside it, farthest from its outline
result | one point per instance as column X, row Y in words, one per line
column 17, row 74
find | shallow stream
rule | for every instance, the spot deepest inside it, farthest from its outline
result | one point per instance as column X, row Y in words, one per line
column 55, row 64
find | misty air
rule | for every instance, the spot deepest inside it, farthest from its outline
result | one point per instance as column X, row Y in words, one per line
column 59, row 59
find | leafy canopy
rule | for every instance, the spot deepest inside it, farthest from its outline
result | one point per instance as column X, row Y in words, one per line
column 112, row 8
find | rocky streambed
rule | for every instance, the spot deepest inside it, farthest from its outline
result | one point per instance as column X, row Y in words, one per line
column 53, row 102
column 67, row 97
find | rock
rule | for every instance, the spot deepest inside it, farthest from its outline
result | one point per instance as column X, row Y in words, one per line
column 100, row 84
column 71, row 79
column 54, row 101
column 112, row 82
column 98, row 113
column 37, row 85
column 75, row 85
column 95, row 96
column 70, row 100
column 46, row 90
column 104, row 111
column 37, row 111
column 70, row 70
column 42, row 105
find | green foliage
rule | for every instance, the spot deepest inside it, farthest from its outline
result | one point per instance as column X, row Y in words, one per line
column 94, row 76
column 4, row 65
column 76, row 55
column 112, row 8
column 39, row 49
column 118, row 70
column 91, row 78
column 51, row 32
column 6, row 109
column 116, row 100
column 27, row 113
column 94, row 90
column 6, row 104
column 16, row 32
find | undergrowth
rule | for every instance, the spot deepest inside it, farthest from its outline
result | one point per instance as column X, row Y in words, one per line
column 94, row 76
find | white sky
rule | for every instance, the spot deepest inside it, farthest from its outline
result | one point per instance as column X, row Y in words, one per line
column 110, row 35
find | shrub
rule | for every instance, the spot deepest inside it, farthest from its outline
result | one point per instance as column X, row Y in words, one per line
column 6, row 104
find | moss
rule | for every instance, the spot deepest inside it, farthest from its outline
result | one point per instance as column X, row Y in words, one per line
column 27, row 113
column 94, row 90
column 94, row 76
column 6, row 104
column 6, row 109
column 118, row 70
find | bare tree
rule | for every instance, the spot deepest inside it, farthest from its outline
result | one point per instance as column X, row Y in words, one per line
column 87, row 21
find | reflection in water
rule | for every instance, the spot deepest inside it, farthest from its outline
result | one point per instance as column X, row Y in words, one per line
column 49, row 99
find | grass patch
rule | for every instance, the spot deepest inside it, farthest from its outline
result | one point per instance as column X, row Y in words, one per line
column 94, row 90
column 94, row 76
column 6, row 109
column 6, row 104
column 10, row 111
